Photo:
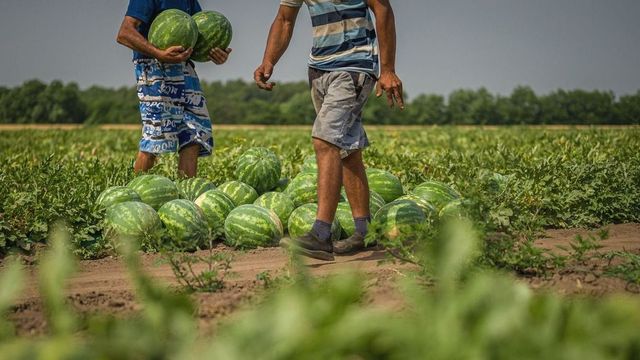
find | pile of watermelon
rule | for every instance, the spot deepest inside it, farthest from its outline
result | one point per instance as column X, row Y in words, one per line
column 257, row 208
column 201, row 32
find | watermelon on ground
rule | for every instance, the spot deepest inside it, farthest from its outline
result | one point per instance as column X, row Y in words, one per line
column 437, row 193
column 427, row 207
column 279, row 203
column 303, row 189
column 302, row 219
column 154, row 190
column 385, row 184
column 214, row 31
column 399, row 218
column 345, row 218
column 192, row 188
column 251, row 226
column 239, row 192
column 259, row 168
column 173, row 27
column 185, row 223
column 215, row 206
column 133, row 220
column 375, row 201
column 115, row 195
column 453, row 210
column 282, row 185
column 309, row 164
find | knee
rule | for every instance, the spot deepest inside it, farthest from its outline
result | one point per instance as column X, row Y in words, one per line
column 322, row 147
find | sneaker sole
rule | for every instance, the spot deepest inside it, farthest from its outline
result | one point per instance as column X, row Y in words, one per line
column 314, row 254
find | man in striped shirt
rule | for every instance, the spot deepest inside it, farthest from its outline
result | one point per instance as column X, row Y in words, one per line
column 348, row 57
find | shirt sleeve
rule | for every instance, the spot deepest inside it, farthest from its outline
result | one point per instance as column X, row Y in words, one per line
column 142, row 10
column 196, row 8
column 292, row 3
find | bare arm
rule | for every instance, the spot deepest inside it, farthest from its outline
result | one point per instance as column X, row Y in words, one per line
column 277, row 43
column 389, row 81
column 130, row 37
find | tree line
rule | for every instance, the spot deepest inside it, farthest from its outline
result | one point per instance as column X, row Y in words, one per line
column 241, row 102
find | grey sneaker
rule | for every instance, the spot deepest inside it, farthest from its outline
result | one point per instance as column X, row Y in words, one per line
column 309, row 245
column 350, row 245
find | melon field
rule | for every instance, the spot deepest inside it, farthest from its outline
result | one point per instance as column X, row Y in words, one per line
column 529, row 248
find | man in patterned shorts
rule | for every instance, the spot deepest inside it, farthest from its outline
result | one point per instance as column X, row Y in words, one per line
column 173, row 108
column 347, row 59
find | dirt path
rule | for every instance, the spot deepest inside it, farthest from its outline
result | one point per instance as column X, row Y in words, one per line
column 103, row 285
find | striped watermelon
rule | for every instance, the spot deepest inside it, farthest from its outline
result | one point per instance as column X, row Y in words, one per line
column 154, row 190
column 133, row 220
column 453, row 210
column 215, row 206
column 385, row 183
column 282, row 185
column 400, row 217
column 259, row 168
column 309, row 164
column 436, row 193
column 279, row 203
column 214, row 31
column 173, row 27
column 240, row 193
column 302, row 219
column 345, row 218
column 185, row 224
column 428, row 208
column 192, row 188
column 303, row 189
column 115, row 195
column 375, row 202
column 250, row 226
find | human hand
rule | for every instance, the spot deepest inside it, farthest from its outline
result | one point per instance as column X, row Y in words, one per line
column 262, row 75
column 390, row 83
column 174, row 55
column 219, row 56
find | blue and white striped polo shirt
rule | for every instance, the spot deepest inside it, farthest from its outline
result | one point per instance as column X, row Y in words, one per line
column 344, row 37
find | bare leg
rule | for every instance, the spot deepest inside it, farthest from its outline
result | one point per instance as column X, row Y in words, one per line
column 356, row 185
column 188, row 161
column 144, row 162
column 329, row 179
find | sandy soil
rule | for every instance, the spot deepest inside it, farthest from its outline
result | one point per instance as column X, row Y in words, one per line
column 103, row 286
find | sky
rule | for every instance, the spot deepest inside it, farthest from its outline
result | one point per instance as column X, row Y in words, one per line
column 442, row 45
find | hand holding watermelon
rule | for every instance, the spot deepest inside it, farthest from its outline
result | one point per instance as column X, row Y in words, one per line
column 219, row 56
column 173, row 55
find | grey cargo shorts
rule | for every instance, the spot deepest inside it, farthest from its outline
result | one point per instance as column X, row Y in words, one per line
column 339, row 98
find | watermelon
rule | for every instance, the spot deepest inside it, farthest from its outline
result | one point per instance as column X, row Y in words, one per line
column 303, row 189
column 133, row 220
column 214, row 31
column 250, row 226
column 345, row 218
column 428, row 208
column 259, row 168
column 302, row 219
column 400, row 217
column 436, row 193
column 154, row 190
column 173, row 27
column 385, row 184
column 192, row 188
column 185, row 223
column 309, row 164
column 453, row 210
column 282, row 185
column 115, row 195
column 375, row 201
column 240, row 193
column 215, row 206
column 279, row 203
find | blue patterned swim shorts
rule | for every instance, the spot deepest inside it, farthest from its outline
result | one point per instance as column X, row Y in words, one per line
column 173, row 108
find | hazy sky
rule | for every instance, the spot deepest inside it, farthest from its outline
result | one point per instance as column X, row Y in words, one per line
column 442, row 45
